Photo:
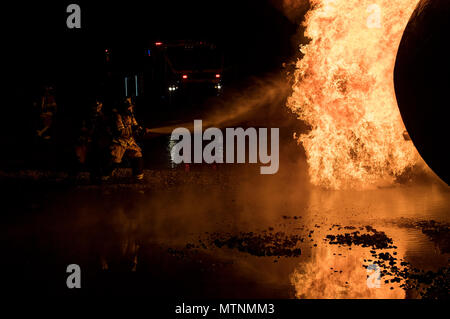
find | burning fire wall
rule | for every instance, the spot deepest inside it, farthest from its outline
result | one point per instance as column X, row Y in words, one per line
column 344, row 90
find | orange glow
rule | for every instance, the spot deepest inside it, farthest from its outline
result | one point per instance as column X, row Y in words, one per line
column 344, row 90
column 158, row 43
column 317, row 279
column 217, row 75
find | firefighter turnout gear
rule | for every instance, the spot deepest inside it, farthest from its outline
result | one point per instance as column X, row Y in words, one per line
column 124, row 143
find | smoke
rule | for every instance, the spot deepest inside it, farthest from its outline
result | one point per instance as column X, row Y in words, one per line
column 294, row 10
column 258, row 101
column 261, row 99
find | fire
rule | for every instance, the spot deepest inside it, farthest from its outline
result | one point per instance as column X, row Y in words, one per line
column 344, row 89
column 317, row 278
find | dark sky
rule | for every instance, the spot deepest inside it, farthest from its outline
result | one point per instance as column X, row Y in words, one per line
column 255, row 36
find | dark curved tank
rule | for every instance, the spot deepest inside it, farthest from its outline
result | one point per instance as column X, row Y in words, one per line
column 422, row 83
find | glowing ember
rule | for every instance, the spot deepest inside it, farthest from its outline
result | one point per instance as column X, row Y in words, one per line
column 344, row 90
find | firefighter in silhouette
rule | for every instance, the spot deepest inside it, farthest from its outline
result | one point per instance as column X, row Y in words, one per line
column 93, row 141
column 125, row 129
column 100, row 139
column 47, row 110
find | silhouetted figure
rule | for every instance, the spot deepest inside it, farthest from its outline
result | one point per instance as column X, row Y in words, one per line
column 125, row 128
column 94, row 140
column 47, row 112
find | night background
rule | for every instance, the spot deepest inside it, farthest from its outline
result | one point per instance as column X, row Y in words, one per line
column 254, row 38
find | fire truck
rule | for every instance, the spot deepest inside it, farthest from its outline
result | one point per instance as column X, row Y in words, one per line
column 184, row 71
column 166, row 75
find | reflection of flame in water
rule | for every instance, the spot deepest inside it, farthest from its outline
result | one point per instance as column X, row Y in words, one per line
column 316, row 279
column 344, row 90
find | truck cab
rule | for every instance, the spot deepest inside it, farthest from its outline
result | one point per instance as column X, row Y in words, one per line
column 191, row 70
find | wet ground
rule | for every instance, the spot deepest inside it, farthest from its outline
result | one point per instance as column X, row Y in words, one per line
column 213, row 231
column 225, row 231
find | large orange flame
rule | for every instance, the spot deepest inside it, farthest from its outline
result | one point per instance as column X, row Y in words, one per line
column 344, row 90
